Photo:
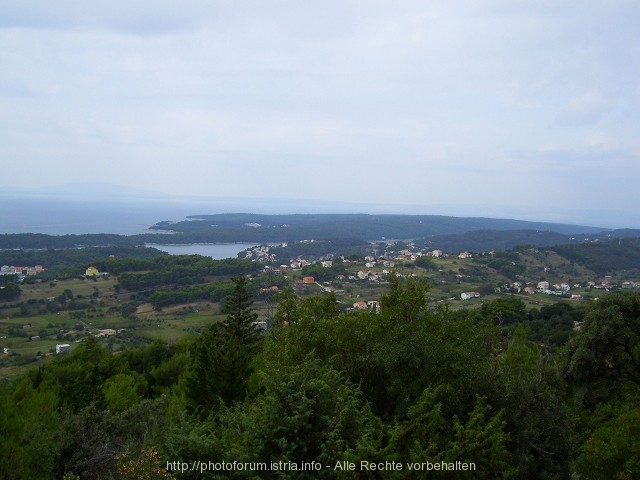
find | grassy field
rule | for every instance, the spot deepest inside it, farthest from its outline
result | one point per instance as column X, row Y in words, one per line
column 81, row 288
column 30, row 333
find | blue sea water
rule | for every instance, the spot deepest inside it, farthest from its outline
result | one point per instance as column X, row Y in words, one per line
column 78, row 216
column 74, row 214
column 55, row 216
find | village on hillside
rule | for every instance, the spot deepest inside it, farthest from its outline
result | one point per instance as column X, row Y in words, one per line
column 374, row 270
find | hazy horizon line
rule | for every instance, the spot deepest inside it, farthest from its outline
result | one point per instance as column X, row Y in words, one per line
column 102, row 192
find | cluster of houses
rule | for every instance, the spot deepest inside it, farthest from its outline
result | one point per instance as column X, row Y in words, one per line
column 261, row 253
column 558, row 288
column 367, row 305
column 107, row 332
column 21, row 272
column 28, row 271
column 375, row 271
column 564, row 289
column 377, row 267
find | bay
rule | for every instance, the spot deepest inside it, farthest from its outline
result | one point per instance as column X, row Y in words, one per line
column 59, row 216
column 217, row 251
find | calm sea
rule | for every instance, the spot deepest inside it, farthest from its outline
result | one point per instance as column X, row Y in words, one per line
column 74, row 216
column 128, row 216
column 61, row 217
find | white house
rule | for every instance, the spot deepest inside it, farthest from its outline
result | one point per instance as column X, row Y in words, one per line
column 469, row 295
column 374, row 305
column 543, row 285
column 62, row 348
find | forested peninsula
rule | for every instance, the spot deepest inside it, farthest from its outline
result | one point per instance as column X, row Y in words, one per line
column 476, row 233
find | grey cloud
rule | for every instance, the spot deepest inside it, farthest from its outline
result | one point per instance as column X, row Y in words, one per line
column 423, row 99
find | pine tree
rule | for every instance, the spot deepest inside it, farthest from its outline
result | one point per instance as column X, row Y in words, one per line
column 222, row 355
column 239, row 323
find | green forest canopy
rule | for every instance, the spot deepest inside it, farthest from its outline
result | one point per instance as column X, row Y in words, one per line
column 406, row 386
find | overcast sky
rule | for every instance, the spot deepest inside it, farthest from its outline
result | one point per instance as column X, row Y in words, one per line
column 521, row 109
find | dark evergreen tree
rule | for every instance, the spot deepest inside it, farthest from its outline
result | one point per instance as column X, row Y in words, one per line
column 239, row 323
column 222, row 355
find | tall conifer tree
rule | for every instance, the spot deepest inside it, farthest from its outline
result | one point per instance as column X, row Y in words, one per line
column 222, row 355
column 239, row 323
